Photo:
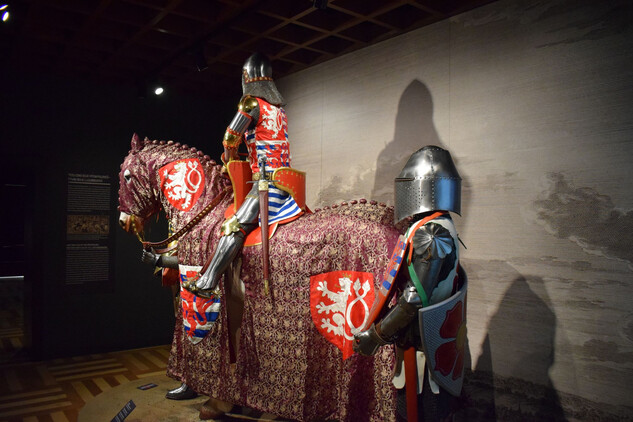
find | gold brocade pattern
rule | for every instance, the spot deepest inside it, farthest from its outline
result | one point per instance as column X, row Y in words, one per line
column 284, row 365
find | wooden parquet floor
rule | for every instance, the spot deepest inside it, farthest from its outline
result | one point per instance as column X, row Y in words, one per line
column 55, row 391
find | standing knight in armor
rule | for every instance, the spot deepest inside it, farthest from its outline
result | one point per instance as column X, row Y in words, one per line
column 261, row 123
column 428, row 322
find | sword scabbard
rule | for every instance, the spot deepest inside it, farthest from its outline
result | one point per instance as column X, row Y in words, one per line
column 411, row 383
column 263, row 214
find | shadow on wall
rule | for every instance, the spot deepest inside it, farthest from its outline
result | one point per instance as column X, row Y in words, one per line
column 414, row 129
column 519, row 348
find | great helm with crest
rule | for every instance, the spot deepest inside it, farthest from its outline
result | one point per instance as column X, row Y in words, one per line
column 429, row 181
column 257, row 79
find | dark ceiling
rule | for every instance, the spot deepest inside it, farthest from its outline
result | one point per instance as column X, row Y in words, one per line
column 134, row 41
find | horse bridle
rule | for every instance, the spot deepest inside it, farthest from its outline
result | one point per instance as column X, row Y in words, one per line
column 195, row 220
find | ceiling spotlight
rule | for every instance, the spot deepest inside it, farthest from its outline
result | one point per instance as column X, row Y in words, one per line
column 5, row 12
column 148, row 86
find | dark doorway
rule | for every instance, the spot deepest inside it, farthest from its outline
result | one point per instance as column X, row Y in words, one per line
column 15, row 330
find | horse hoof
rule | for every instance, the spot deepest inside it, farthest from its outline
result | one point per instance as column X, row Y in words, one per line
column 214, row 409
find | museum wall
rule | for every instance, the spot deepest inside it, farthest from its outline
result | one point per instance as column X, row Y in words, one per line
column 535, row 102
column 50, row 127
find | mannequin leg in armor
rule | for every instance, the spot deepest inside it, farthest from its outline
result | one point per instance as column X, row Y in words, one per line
column 234, row 231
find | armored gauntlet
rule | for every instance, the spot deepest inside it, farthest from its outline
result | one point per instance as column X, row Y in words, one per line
column 367, row 342
column 388, row 329
column 151, row 258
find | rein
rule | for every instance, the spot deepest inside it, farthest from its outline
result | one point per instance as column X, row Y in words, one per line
column 195, row 220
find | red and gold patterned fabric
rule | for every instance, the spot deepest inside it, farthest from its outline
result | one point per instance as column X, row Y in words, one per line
column 339, row 304
column 284, row 365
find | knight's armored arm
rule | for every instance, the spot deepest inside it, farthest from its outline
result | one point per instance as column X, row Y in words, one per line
column 168, row 261
column 157, row 260
column 247, row 113
column 432, row 245
column 387, row 330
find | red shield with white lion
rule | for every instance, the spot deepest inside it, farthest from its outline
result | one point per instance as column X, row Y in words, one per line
column 339, row 304
column 182, row 182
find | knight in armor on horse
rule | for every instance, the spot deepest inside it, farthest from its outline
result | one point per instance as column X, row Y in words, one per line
column 427, row 324
column 260, row 122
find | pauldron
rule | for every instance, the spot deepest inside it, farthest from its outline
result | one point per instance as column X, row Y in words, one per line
column 432, row 246
column 248, row 104
column 240, row 122
column 432, row 241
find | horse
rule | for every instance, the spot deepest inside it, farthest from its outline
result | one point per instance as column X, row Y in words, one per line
column 279, row 361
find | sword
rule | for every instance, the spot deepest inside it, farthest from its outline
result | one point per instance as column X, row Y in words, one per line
column 263, row 214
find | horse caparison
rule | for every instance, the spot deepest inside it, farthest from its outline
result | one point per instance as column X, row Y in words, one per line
column 277, row 362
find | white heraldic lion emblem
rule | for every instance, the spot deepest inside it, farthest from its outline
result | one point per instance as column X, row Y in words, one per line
column 341, row 306
column 182, row 183
column 272, row 119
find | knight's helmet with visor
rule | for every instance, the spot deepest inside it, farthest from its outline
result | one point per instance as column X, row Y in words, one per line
column 257, row 79
column 429, row 181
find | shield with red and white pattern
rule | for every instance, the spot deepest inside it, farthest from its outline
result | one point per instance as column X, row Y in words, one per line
column 199, row 314
column 443, row 328
column 182, row 182
column 339, row 304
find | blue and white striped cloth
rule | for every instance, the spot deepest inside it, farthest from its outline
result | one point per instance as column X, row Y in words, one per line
column 280, row 205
